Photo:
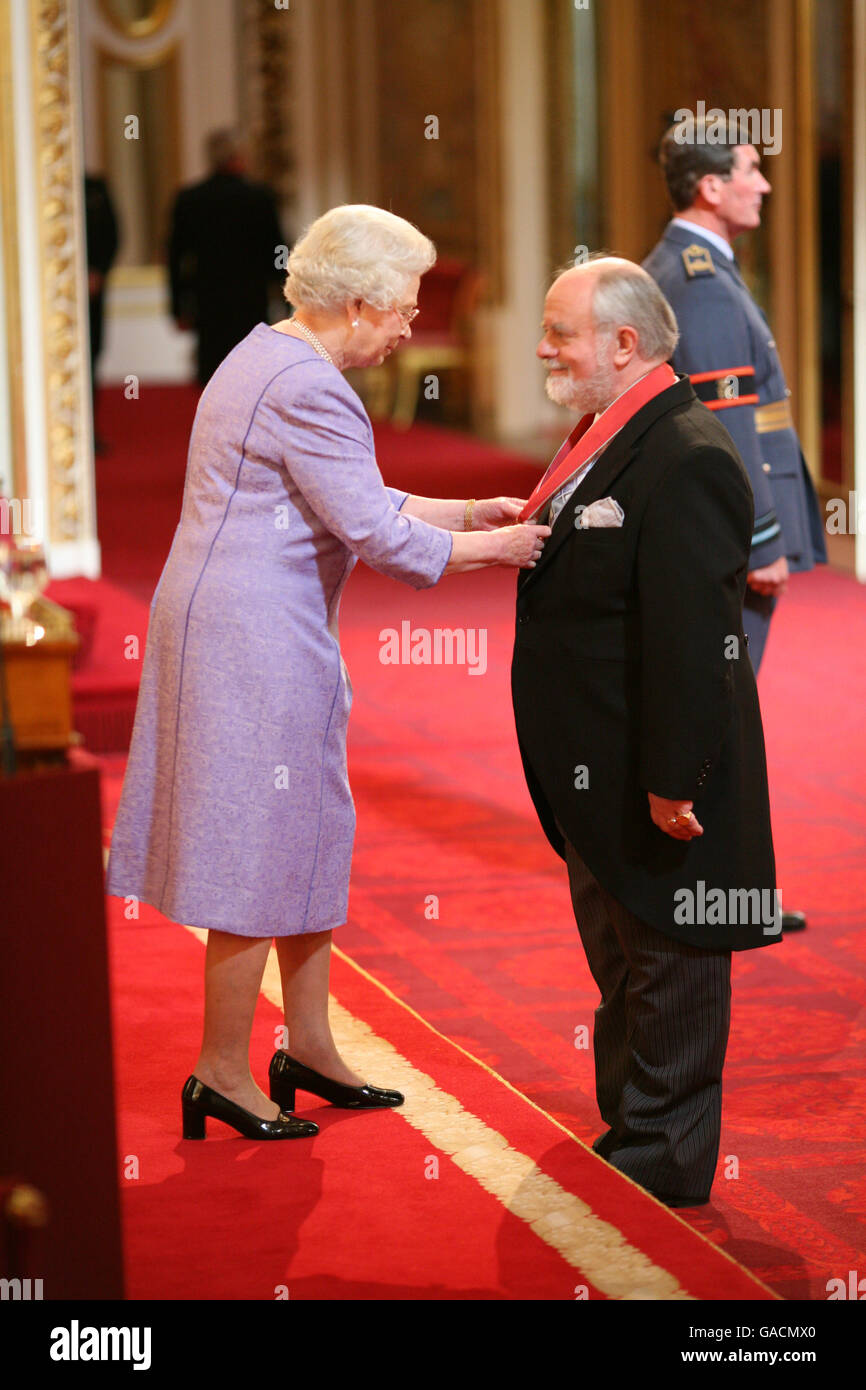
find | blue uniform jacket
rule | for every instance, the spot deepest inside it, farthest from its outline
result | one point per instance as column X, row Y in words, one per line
column 726, row 340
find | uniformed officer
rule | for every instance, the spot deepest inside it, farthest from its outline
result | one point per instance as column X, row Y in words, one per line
column 728, row 350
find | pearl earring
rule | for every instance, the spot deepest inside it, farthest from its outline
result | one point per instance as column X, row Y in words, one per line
column 355, row 322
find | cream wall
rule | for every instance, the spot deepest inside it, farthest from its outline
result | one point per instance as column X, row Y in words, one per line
column 331, row 107
column 519, row 404
column 338, row 126
column 140, row 337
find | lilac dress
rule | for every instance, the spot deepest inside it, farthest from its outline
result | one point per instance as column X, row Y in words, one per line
column 236, row 812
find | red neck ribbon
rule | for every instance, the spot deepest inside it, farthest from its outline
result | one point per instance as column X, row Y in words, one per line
column 588, row 438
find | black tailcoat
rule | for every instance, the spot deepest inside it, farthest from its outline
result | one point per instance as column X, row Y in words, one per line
column 630, row 674
column 223, row 255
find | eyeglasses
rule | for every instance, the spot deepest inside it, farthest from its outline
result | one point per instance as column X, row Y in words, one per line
column 406, row 315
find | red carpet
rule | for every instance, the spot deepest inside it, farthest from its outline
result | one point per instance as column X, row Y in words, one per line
column 443, row 811
column 501, row 970
column 357, row 1212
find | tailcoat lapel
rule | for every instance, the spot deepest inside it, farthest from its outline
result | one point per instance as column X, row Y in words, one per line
column 604, row 472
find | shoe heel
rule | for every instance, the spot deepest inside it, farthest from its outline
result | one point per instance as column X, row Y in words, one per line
column 193, row 1123
column 283, row 1095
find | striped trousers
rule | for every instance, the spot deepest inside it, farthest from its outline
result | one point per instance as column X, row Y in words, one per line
column 661, row 1031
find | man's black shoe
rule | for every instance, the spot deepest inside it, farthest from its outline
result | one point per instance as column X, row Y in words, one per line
column 682, row 1201
column 793, row 921
column 601, row 1145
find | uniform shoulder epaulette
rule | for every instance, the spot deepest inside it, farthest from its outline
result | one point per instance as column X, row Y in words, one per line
column 698, row 261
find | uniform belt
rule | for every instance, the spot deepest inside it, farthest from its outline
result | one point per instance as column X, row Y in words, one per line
column 725, row 388
column 776, row 415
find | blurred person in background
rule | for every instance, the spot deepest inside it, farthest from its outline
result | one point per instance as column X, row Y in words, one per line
column 101, row 232
column 222, row 253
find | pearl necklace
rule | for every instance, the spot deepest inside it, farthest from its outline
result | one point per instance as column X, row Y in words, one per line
column 313, row 340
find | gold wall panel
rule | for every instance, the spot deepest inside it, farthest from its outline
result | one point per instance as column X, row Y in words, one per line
column 439, row 58
column 743, row 54
column 59, row 197
column 17, row 440
column 267, row 71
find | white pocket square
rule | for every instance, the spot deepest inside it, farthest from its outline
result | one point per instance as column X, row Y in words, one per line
column 605, row 512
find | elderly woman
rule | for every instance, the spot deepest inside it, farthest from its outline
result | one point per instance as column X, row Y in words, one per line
column 236, row 813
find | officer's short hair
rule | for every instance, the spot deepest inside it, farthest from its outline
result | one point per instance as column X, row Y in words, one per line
column 685, row 162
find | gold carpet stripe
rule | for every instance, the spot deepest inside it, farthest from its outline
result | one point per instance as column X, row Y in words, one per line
column 343, row 1020
column 595, row 1248
column 552, row 1118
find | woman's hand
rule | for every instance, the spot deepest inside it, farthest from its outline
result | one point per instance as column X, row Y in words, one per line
column 493, row 512
column 516, row 547
column 521, row 546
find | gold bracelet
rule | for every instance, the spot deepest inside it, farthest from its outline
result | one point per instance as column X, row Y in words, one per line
column 467, row 515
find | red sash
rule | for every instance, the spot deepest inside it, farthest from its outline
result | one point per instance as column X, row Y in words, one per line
column 588, row 438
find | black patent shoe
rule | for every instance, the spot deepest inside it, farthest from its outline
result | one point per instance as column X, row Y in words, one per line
column 198, row 1101
column 287, row 1076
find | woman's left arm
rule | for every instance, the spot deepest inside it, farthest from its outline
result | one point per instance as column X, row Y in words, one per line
column 451, row 514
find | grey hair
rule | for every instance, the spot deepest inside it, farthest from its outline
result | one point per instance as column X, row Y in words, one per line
column 221, row 146
column 356, row 251
column 625, row 294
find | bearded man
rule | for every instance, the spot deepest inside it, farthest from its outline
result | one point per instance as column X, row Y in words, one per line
column 638, row 720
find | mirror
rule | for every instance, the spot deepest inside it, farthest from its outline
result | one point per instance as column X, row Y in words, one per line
column 135, row 19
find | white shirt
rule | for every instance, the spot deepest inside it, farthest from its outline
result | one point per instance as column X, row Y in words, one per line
column 719, row 241
column 559, row 499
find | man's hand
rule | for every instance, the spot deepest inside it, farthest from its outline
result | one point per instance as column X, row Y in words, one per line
column 675, row 818
column 770, row 579
column 493, row 512
column 521, row 546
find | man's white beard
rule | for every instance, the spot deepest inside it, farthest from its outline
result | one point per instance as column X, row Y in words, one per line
column 591, row 395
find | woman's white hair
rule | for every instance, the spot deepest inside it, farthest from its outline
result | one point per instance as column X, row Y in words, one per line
column 356, row 252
